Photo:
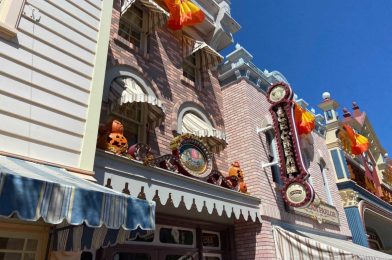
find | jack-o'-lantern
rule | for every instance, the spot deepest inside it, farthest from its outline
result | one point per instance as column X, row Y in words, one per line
column 236, row 172
column 115, row 126
column 111, row 137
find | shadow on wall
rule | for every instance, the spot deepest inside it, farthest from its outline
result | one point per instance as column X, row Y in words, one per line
column 207, row 96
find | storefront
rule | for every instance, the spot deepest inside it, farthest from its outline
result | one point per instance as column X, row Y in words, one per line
column 50, row 213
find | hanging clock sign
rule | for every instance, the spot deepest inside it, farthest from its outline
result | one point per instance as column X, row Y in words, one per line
column 297, row 192
column 194, row 157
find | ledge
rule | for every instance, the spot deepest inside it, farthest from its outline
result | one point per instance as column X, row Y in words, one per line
column 7, row 32
column 158, row 184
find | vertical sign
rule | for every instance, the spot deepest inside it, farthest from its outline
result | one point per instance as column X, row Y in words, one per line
column 297, row 192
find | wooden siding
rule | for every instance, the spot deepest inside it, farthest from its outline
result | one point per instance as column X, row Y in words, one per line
column 45, row 80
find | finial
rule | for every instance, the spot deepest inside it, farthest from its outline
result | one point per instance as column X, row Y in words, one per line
column 237, row 46
column 326, row 96
column 355, row 105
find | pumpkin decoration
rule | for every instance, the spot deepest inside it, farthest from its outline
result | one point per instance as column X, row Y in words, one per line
column 116, row 141
column 235, row 172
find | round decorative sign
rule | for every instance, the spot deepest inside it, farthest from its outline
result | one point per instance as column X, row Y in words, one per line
column 194, row 156
column 277, row 94
column 298, row 193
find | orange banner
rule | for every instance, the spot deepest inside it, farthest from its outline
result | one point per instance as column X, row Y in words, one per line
column 359, row 144
column 183, row 13
column 303, row 119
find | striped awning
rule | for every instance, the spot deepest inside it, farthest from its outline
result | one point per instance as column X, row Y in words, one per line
column 304, row 245
column 157, row 15
column 209, row 57
column 30, row 191
column 193, row 124
column 126, row 91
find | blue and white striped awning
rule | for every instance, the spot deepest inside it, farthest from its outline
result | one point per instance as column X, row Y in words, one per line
column 31, row 191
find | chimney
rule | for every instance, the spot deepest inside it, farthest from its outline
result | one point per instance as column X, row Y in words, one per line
column 346, row 113
column 357, row 112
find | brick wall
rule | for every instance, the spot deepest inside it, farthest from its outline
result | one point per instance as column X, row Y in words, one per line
column 245, row 107
column 161, row 68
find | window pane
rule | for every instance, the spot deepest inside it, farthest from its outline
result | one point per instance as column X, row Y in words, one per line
column 11, row 243
column 131, row 256
column 10, row 256
column 28, row 256
column 176, row 236
column 210, row 240
column 179, row 257
column 86, row 256
column 31, row 245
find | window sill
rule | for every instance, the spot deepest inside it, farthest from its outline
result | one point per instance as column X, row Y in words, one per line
column 7, row 32
column 187, row 82
column 130, row 46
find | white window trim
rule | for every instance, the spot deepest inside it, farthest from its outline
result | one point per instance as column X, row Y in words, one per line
column 10, row 11
column 157, row 242
column 326, row 184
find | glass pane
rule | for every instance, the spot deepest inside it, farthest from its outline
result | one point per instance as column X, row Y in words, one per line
column 11, row 243
column 10, row 256
column 141, row 235
column 28, row 256
column 210, row 239
column 179, row 257
column 211, row 258
column 86, row 256
column 131, row 256
column 176, row 236
column 31, row 245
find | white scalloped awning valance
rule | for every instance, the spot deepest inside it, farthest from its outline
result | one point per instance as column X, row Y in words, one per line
column 169, row 188
column 126, row 91
column 157, row 15
column 193, row 124
column 209, row 57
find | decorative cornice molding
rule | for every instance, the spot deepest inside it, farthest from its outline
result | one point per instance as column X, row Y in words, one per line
column 349, row 198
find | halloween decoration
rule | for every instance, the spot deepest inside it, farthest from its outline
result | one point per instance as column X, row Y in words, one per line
column 355, row 143
column 110, row 137
column 304, row 120
column 183, row 13
column 236, row 171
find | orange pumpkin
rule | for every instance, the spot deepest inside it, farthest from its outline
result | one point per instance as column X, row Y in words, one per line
column 115, row 126
column 236, row 171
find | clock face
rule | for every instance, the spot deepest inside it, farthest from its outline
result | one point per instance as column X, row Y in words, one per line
column 277, row 94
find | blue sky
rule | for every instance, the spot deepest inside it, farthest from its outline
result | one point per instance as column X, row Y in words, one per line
column 340, row 46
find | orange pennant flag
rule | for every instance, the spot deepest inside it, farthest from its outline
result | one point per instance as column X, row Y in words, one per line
column 359, row 143
column 303, row 119
column 183, row 13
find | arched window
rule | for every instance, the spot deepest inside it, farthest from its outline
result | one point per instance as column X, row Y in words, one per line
column 192, row 120
column 134, row 104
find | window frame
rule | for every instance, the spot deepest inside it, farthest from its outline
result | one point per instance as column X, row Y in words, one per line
column 274, row 155
column 10, row 12
column 196, row 66
column 14, row 229
column 127, row 121
column 143, row 45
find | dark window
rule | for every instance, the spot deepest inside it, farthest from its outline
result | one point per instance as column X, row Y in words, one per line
column 86, row 256
column 131, row 25
column 178, row 257
column 131, row 256
column 176, row 236
column 273, row 156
